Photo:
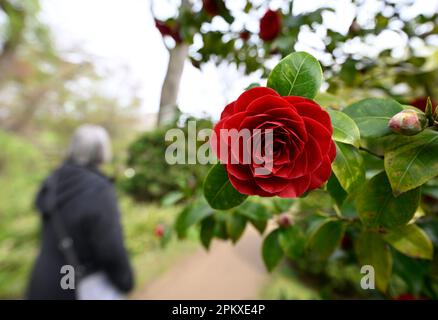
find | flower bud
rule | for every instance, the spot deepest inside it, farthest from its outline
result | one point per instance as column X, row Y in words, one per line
column 408, row 122
column 354, row 28
column 159, row 231
column 244, row 35
column 284, row 220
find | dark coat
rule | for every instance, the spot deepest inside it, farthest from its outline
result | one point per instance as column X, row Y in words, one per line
column 88, row 209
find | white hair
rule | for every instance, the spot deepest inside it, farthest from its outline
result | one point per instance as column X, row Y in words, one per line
column 90, row 145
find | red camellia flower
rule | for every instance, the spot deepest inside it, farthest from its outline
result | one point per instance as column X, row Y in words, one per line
column 167, row 30
column 270, row 25
column 421, row 102
column 301, row 149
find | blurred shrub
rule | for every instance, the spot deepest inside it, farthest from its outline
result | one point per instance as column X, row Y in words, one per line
column 149, row 177
column 22, row 168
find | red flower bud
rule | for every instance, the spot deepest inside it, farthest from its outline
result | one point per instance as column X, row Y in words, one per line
column 408, row 122
column 212, row 7
column 270, row 25
column 244, row 35
column 159, row 231
column 354, row 28
column 284, row 220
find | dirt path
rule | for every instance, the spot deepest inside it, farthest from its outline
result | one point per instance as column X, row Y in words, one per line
column 225, row 272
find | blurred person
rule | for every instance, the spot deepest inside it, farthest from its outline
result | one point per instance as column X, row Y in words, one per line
column 81, row 226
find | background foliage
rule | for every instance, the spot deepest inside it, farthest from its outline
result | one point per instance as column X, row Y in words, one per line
column 151, row 178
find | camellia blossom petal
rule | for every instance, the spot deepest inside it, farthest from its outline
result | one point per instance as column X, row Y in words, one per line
column 301, row 152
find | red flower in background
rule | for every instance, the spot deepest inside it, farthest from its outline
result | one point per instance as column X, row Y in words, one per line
column 159, row 231
column 212, row 7
column 168, row 30
column 405, row 296
column 421, row 102
column 244, row 35
column 270, row 25
column 346, row 242
column 409, row 296
column 302, row 145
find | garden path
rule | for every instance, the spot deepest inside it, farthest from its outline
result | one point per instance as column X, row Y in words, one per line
column 224, row 272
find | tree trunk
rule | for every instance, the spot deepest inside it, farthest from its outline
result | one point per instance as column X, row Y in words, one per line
column 169, row 91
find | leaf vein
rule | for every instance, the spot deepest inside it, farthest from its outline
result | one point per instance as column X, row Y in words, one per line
column 296, row 75
column 413, row 159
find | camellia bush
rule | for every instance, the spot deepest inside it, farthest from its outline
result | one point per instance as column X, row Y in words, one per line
column 355, row 184
column 354, row 62
column 151, row 178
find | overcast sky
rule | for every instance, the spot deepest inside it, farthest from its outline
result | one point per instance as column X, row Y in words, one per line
column 121, row 34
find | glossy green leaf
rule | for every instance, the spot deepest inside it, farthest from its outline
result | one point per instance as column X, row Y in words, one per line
column 344, row 128
column 256, row 213
column 429, row 110
column 235, row 224
column 411, row 241
column 292, row 241
column 326, row 99
column 191, row 215
column 336, row 191
column 378, row 146
column 219, row 192
column 373, row 251
column 220, row 229
column 254, row 210
column 298, row 74
column 260, row 225
column 171, row 198
column 348, row 167
column 372, row 162
column 372, row 115
column 326, row 237
column 207, row 231
column 272, row 252
column 377, row 206
column 413, row 162
column 414, row 272
column 281, row 204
